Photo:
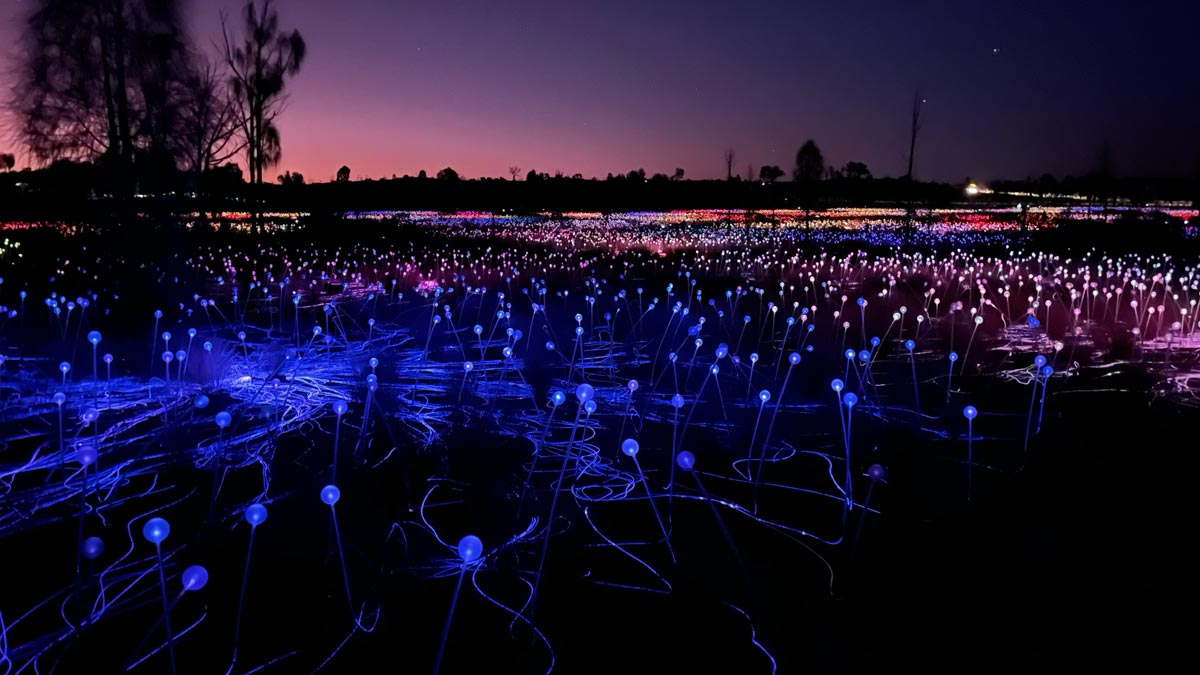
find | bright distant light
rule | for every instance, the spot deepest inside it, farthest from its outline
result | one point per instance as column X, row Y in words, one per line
column 972, row 189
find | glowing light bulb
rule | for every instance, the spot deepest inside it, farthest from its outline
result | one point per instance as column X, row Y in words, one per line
column 686, row 460
column 156, row 530
column 92, row 548
column 255, row 514
column 194, row 578
column 470, row 548
column 330, row 494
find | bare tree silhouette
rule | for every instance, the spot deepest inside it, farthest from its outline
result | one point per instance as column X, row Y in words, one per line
column 729, row 155
column 915, row 129
column 209, row 120
column 100, row 79
column 514, row 171
column 260, row 65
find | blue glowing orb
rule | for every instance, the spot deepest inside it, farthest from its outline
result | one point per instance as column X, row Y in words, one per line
column 86, row 455
column 255, row 514
column 155, row 530
column 470, row 548
column 194, row 578
column 330, row 494
column 92, row 548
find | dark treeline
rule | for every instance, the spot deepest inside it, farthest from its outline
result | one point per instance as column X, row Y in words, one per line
column 1101, row 188
column 623, row 194
column 67, row 190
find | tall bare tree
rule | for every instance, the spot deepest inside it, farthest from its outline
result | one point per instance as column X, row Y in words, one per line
column 729, row 164
column 99, row 78
column 515, row 171
column 915, row 129
column 910, row 212
column 210, row 120
column 260, row 65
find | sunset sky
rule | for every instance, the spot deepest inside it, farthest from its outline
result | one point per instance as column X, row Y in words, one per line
column 1012, row 88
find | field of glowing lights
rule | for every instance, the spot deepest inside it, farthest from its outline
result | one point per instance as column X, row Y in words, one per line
column 638, row 443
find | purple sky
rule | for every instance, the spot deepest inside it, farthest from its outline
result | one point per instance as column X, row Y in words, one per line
column 394, row 86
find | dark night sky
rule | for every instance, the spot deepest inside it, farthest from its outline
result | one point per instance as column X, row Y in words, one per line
column 392, row 86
